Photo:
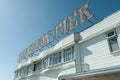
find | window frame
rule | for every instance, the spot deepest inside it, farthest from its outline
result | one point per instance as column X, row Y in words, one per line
column 110, row 38
column 55, row 58
column 68, row 54
column 45, row 62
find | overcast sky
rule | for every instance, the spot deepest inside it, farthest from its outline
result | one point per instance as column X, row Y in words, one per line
column 24, row 21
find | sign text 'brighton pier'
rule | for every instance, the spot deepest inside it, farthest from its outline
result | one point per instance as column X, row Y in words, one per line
column 78, row 17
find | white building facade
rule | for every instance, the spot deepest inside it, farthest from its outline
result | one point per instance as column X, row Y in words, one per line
column 93, row 54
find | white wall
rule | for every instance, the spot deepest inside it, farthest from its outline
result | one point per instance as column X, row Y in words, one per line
column 107, row 23
column 96, row 53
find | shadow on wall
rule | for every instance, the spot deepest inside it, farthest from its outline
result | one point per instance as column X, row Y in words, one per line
column 93, row 46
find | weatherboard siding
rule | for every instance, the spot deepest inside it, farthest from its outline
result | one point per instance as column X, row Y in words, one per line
column 96, row 53
column 106, row 23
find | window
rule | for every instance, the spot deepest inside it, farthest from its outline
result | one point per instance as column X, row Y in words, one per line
column 51, row 60
column 25, row 70
column 55, row 58
column 22, row 72
column 59, row 57
column 37, row 66
column 30, row 68
column 112, row 40
column 19, row 73
column 68, row 54
column 45, row 62
column 16, row 74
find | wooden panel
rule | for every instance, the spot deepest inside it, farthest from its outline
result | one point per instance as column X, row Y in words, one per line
column 96, row 53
